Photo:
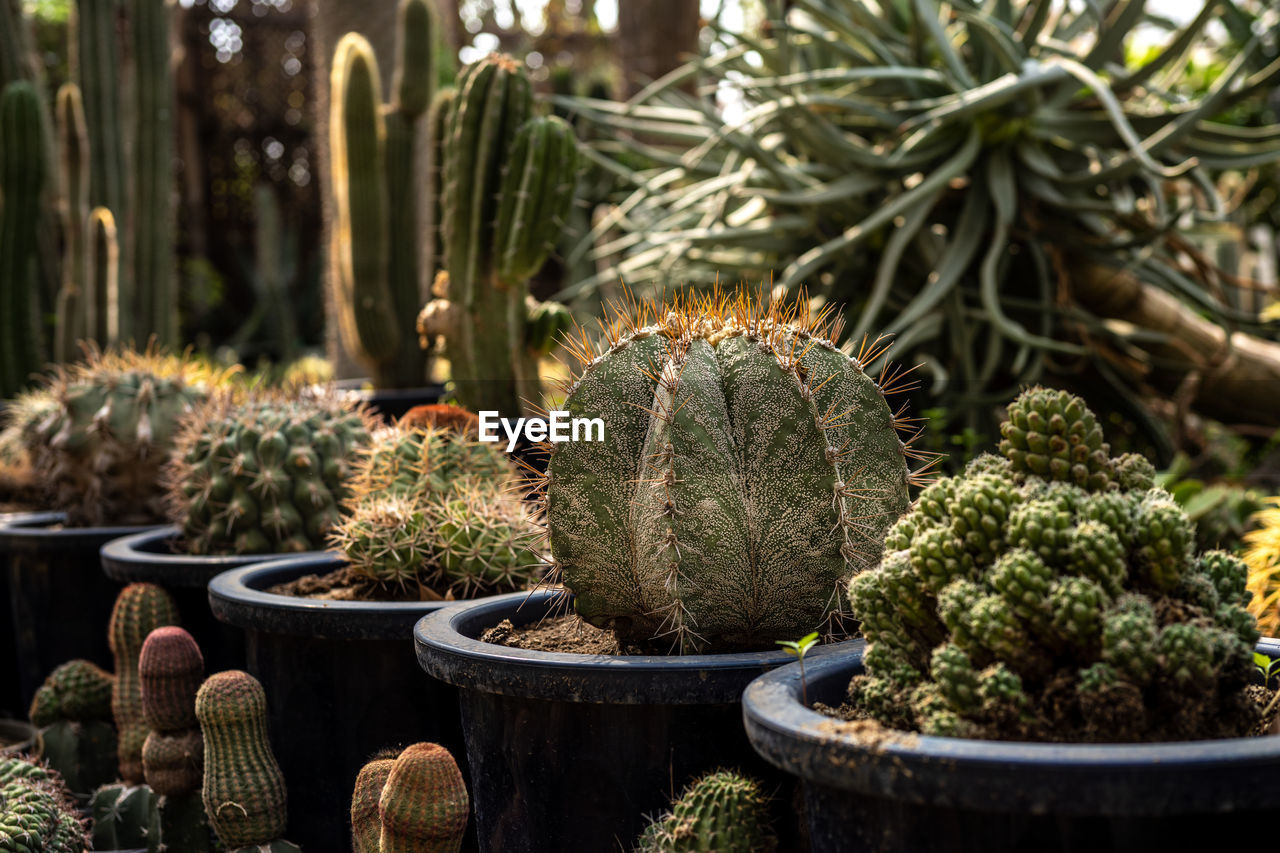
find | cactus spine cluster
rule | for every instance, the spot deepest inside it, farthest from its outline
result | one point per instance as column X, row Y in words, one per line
column 1052, row 593
column 508, row 184
column 73, row 149
column 769, row 468
column 37, row 814
column 376, row 186
column 414, row 803
column 264, row 473
column 73, row 711
column 722, row 811
column 23, row 169
column 140, row 609
column 243, row 790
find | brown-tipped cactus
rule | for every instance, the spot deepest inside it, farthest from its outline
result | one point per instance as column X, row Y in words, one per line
column 23, row 169
column 770, row 470
column 140, row 609
column 73, row 710
column 722, row 811
column 37, row 813
column 264, row 473
column 366, row 826
column 102, row 278
column 1055, row 597
column 424, row 803
column 508, row 184
column 73, row 150
column 244, row 792
column 171, row 668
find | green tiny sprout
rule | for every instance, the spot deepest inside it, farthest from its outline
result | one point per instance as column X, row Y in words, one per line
column 799, row 648
column 1268, row 668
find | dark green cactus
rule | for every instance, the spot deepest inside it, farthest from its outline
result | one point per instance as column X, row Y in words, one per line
column 244, row 792
column 1070, row 602
column 170, row 669
column 723, row 811
column 769, row 471
column 23, row 168
column 366, row 826
column 423, row 807
column 95, row 61
column 101, row 292
column 76, row 690
column 437, row 119
column 140, row 609
column 37, row 814
column 121, row 815
column 73, row 710
column 73, row 150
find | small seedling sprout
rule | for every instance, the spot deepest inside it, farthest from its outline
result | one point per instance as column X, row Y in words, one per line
column 799, row 648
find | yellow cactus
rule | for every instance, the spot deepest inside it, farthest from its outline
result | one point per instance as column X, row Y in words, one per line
column 1262, row 555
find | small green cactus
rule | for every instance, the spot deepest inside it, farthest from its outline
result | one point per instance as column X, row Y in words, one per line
column 722, row 811
column 76, row 690
column 37, row 813
column 1055, row 597
column 121, row 814
column 140, row 609
column 73, row 711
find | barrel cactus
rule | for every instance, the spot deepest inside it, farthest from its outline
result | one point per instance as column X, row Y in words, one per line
column 264, row 473
column 1052, row 593
column 76, row 690
column 722, row 811
column 72, row 708
column 37, row 813
column 140, row 609
column 749, row 468
column 414, row 802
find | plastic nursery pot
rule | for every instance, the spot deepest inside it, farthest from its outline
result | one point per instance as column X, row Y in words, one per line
column 573, row 751
column 59, row 599
column 10, row 689
column 154, row 557
column 18, row 737
column 341, row 684
column 953, row 795
column 390, row 404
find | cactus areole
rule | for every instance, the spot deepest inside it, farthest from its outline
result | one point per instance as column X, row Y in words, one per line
column 751, row 469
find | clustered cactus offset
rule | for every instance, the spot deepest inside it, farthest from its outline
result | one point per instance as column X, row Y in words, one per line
column 140, row 609
column 749, row 469
column 722, row 811
column 413, row 802
column 1051, row 593
column 37, row 814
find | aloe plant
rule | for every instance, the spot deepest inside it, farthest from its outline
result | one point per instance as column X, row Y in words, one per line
column 984, row 180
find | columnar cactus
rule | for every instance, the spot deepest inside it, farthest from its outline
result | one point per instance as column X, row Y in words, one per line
column 95, row 64
column 508, row 184
column 769, row 470
column 243, row 791
column 140, row 609
column 266, row 473
column 73, row 150
column 100, row 448
column 170, row 669
column 37, row 813
column 23, row 168
column 121, row 814
column 415, row 802
column 102, row 282
column 721, row 811
column 1053, row 594
column 73, row 711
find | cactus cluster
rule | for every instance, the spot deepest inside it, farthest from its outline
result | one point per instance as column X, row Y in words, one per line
column 722, row 811
column 37, row 814
column 749, row 469
column 73, row 711
column 1052, row 593
column 413, row 802
column 104, row 429
column 507, row 184
column 264, row 473
column 140, row 609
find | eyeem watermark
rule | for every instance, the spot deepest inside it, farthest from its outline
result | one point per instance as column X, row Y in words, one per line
column 557, row 427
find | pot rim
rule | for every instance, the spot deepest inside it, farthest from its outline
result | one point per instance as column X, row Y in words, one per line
column 449, row 649
column 237, row 597
column 127, row 560
column 25, row 532
column 1060, row 778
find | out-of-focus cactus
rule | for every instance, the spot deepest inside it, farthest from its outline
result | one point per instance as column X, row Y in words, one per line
column 101, row 292
column 140, row 609
column 1053, row 597
column 414, row 802
column 722, row 811
column 76, row 690
column 121, row 814
column 73, row 710
column 37, row 813
column 748, row 469
column 23, row 169
column 508, row 185
column 73, row 151
column 95, row 61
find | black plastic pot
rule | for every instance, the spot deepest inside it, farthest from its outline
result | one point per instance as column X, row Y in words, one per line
column 953, row 795
column 59, row 600
column 572, row 751
column 10, row 689
column 391, row 403
column 22, row 738
column 341, row 684
column 151, row 557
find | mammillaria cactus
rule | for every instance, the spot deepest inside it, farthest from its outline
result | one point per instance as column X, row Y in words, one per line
column 140, row 609
column 722, row 811
column 1053, row 594
column 769, row 470
column 415, row 802
column 264, row 473
column 243, row 791
column 37, row 814
column 99, row 448
column 73, row 711
column 170, row 670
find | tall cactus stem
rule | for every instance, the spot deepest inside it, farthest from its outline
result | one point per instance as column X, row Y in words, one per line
column 73, row 152
column 102, row 278
column 23, row 166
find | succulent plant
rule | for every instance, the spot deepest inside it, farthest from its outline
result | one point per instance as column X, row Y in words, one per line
column 100, row 445
column 140, row 609
column 1055, row 596
column 264, row 473
column 75, row 690
column 170, row 669
column 37, row 814
column 417, row 462
column 121, row 814
column 412, row 801
column 366, row 826
column 722, row 811
column 73, row 711
column 23, row 169
column 73, row 155
column 769, row 469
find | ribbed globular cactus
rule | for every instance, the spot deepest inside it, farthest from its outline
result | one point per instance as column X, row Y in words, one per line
column 121, row 814
column 366, row 826
column 413, row 802
column 748, row 469
column 1052, row 593
column 73, row 711
column 23, row 168
column 171, row 669
column 508, row 184
column 100, row 446
column 243, row 791
column 37, row 814
column 722, row 811
column 140, row 609
column 264, row 473
column 76, row 690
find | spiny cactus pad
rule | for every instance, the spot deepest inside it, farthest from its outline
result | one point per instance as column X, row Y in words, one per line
column 424, row 805
column 722, row 811
column 140, row 609
column 749, row 468
column 77, row 690
column 266, row 473
column 1057, row 597
column 37, row 814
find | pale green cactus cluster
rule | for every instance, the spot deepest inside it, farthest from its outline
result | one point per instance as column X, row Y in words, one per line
column 722, row 811
column 37, row 814
column 1052, row 593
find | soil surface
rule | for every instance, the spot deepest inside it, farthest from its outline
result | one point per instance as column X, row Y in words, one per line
column 343, row 585
column 560, row 634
